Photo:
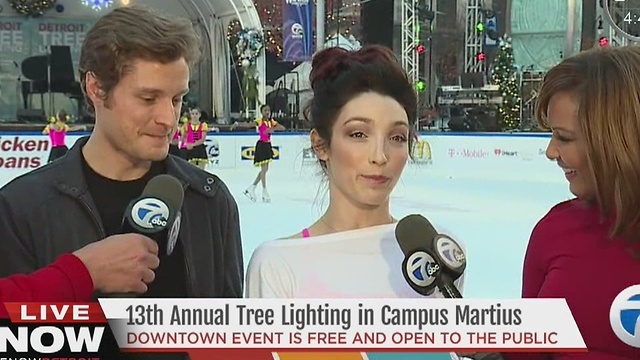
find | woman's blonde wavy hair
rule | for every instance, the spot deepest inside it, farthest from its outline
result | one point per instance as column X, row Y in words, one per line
column 606, row 85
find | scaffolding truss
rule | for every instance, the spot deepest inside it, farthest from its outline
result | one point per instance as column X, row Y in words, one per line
column 473, row 38
column 410, row 37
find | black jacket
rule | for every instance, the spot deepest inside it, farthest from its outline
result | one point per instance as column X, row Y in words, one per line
column 49, row 211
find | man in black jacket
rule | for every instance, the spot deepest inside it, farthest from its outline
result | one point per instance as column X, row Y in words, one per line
column 134, row 71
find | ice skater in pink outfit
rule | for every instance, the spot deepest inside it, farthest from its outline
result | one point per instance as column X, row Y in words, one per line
column 57, row 131
column 263, row 153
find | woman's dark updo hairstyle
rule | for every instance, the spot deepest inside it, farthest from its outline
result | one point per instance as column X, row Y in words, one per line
column 338, row 75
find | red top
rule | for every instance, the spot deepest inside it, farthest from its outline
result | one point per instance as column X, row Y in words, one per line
column 67, row 279
column 570, row 256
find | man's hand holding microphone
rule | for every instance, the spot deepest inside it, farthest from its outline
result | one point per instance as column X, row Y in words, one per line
column 118, row 264
column 126, row 263
column 121, row 263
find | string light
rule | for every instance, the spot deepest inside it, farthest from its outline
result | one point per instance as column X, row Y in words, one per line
column 232, row 29
column 97, row 5
column 270, row 13
column 504, row 75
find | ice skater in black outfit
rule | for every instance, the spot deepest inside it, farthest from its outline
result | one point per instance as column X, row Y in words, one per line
column 263, row 153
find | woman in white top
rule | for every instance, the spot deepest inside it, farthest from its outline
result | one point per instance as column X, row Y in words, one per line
column 362, row 115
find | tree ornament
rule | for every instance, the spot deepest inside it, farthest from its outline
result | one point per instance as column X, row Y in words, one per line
column 33, row 8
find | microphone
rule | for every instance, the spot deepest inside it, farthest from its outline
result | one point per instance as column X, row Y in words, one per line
column 156, row 213
column 431, row 259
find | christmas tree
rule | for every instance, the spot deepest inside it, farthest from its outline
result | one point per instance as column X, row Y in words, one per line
column 504, row 75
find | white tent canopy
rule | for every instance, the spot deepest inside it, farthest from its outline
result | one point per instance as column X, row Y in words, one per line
column 215, row 16
column 211, row 18
column 304, row 69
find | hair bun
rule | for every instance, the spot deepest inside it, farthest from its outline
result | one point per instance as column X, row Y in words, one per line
column 327, row 64
column 377, row 53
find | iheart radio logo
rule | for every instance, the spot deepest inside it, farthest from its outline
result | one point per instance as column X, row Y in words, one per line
column 497, row 152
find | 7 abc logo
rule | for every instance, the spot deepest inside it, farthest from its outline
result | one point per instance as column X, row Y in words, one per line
column 450, row 252
column 624, row 316
column 297, row 31
column 421, row 269
column 150, row 213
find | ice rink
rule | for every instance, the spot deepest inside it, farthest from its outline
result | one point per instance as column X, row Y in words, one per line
column 493, row 218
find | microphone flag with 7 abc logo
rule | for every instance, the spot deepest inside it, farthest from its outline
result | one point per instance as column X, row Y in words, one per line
column 150, row 213
column 153, row 215
column 624, row 316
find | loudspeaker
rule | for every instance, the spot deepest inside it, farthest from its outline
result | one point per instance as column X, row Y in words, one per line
column 472, row 80
column 377, row 22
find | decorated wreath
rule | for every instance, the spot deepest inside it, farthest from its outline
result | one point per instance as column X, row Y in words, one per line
column 249, row 45
column 33, row 8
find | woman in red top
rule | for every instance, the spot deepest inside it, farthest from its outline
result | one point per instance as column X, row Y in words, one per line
column 587, row 250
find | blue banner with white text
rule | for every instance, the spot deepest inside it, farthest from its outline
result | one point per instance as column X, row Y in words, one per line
column 297, row 39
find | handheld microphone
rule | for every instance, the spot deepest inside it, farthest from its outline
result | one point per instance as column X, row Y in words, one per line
column 156, row 213
column 431, row 259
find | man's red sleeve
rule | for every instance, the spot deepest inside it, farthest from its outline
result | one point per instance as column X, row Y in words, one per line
column 67, row 279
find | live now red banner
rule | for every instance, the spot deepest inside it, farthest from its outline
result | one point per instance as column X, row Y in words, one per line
column 49, row 313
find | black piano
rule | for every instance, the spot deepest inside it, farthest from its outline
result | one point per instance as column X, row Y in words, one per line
column 51, row 74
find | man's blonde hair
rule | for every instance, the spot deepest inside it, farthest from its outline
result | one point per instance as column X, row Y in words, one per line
column 131, row 33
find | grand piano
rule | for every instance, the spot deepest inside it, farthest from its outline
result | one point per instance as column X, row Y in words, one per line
column 51, row 74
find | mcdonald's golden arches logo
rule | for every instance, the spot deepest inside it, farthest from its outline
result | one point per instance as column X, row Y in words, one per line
column 422, row 151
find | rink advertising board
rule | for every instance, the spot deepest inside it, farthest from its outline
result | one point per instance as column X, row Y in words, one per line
column 220, row 150
column 421, row 151
column 23, row 152
column 248, row 152
column 476, row 156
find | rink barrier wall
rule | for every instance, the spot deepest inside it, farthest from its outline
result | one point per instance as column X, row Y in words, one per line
column 496, row 156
